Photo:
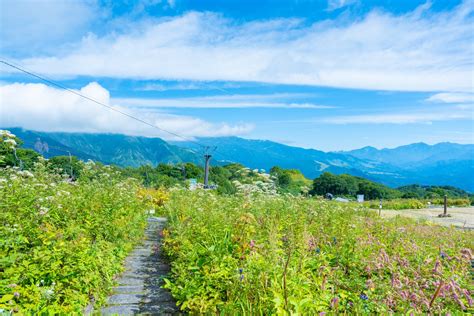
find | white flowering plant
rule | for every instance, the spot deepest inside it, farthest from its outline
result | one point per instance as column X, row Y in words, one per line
column 62, row 242
column 8, row 143
column 258, row 254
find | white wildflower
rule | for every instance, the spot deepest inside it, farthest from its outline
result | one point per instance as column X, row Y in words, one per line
column 43, row 211
column 6, row 133
column 26, row 174
column 10, row 141
column 49, row 293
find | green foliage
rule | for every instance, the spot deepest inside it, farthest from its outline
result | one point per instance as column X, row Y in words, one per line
column 24, row 158
column 193, row 172
column 290, row 255
column 290, row 181
column 11, row 155
column 397, row 204
column 452, row 202
column 431, row 192
column 66, row 165
column 347, row 185
column 62, row 242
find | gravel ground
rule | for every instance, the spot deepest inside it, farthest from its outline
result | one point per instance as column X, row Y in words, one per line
column 460, row 216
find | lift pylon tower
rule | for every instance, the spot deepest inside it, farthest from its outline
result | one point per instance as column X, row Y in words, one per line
column 206, row 170
column 207, row 157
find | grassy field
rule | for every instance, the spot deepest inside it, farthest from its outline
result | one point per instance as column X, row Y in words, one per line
column 274, row 255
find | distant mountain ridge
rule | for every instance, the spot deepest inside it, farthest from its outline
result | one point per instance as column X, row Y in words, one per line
column 416, row 154
column 266, row 154
column 440, row 164
column 108, row 148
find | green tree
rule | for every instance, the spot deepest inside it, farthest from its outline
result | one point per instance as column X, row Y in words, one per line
column 70, row 165
column 328, row 183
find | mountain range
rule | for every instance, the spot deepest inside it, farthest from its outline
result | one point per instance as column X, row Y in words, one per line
column 440, row 164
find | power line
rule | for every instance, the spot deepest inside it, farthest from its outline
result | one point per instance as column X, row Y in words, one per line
column 206, row 149
column 54, row 83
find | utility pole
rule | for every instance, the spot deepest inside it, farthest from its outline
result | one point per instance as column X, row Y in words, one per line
column 445, row 204
column 445, row 208
column 206, row 171
column 20, row 162
column 70, row 165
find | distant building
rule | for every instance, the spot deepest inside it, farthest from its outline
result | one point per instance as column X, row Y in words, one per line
column 192, row 184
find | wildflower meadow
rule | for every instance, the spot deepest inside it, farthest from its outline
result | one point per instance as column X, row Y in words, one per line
column 258, row 251
column 259, row 254
column 62, row 241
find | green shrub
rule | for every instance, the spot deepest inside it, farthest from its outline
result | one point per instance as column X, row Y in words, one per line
column 399, row 204
column 452, row 202
column 277, row 255
column 62, row 243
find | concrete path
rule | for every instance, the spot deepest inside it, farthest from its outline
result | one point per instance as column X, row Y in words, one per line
column 462, row 217
column 139, row 287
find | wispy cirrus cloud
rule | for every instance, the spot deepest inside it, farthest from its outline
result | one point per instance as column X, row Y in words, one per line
column 192, row 85
column 452, row 97
column 276, row 100
column 403, row 118
column 337, row 4
column 417, row 51
column 43, row 108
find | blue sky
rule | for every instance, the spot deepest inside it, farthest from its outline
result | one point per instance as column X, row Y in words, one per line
column 326, row 74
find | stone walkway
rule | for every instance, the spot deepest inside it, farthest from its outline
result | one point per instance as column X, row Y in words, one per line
column 139, row 287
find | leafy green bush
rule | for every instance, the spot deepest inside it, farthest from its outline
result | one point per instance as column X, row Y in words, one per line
column 398, row 204
column 453, row 202
column 62, row 242
column 432, row 191
column 348, row 185
column 276, row 255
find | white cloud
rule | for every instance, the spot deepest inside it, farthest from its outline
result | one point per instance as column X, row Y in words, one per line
column 337, row 4
column 417, row 51
column 161, row 87
column 404, row 118
column 42, row 108
column 192, row 85
column 452, row 97
column 276, row 100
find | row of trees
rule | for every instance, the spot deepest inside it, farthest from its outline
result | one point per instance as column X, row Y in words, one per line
column 347, row 185
column 350, row 186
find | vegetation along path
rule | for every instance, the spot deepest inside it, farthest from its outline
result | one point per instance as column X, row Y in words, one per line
column 139, row 287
